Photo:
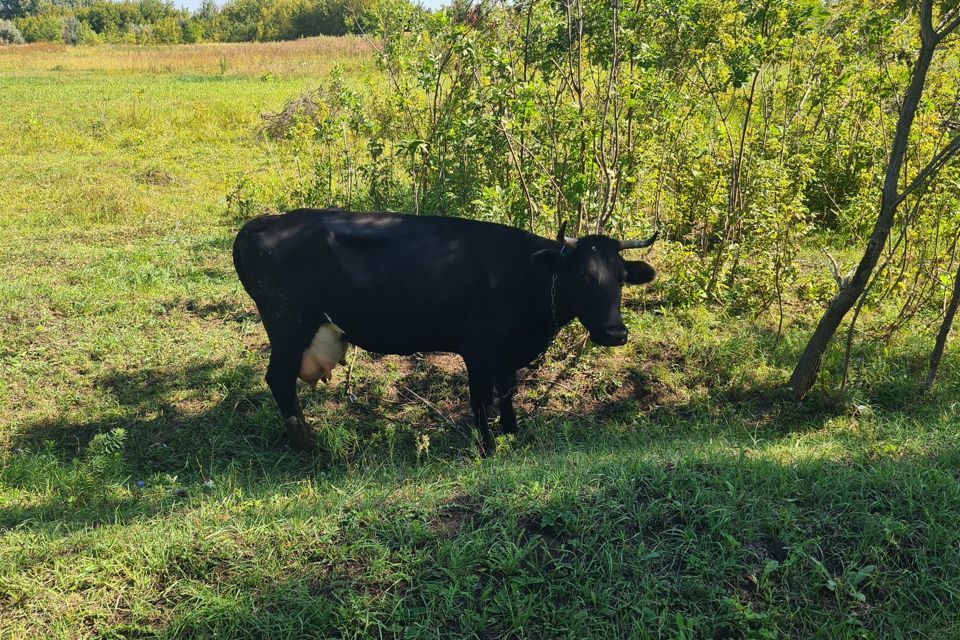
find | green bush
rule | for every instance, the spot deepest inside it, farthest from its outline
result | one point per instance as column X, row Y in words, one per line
column 191, row 31
column 167, row 30
column 42, row 27
column 9, row 34
column 76, row 32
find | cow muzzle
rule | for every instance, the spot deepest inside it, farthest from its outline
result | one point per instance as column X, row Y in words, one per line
column 610, row 337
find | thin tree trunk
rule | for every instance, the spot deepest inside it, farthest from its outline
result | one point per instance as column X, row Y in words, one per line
column 805, row 373
column 944, row 332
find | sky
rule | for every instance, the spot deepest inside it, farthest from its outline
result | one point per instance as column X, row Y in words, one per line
column 194, row 4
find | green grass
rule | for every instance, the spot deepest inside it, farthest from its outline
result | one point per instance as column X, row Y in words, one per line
column 660, row 490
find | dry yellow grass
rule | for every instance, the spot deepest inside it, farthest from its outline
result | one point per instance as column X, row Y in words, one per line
column 309, row 56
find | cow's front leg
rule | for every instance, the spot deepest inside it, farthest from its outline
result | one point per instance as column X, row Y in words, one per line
column 506, row 384
column 282, row 380
column 481, row 402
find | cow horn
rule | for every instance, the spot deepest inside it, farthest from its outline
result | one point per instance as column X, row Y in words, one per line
column 565, row 239
column 639, row 244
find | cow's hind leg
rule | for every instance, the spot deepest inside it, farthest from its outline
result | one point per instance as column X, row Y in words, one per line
column 506, row 384
column 282, row 380
column 481, row 402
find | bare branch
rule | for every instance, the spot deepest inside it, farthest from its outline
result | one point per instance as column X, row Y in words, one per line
column 842, row 281
column 933, row 167
column 429, row 405
column 523, row 182
column 949, row 25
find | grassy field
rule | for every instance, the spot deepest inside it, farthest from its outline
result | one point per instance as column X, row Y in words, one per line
column 659, row 490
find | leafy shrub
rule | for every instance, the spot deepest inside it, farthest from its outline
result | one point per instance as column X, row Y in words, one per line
column 191, row 31
column 76, row 32
column 9, row 34
column 682, row 274
column 142, row 33
column 70, row 31
column 42, row 27
column 167, row 30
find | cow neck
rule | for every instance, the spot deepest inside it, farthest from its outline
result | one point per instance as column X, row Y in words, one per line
column 559, row 314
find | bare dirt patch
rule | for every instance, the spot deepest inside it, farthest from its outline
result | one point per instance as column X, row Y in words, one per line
column 455, row 515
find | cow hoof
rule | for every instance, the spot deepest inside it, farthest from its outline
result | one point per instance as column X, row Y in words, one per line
column 300, row 436
column 305, row 444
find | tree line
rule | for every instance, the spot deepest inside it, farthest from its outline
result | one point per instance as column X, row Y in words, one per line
column 160, row 22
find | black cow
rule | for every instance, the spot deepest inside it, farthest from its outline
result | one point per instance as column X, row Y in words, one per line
column 401, row 284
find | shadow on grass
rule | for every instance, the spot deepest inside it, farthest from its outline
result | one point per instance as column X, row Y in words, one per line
column 574, row 530
column 157, row 409
column 196, row 421
column 720, row 547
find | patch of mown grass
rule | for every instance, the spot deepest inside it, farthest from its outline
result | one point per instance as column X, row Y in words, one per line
column 663, row 489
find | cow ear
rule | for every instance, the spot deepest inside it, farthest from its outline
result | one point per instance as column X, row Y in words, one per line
column 550, row 259
column 639, row 272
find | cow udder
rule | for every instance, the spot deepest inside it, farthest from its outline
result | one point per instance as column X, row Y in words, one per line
column 326, row 351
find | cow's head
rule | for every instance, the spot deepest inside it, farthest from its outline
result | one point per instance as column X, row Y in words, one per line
column 591, row 273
